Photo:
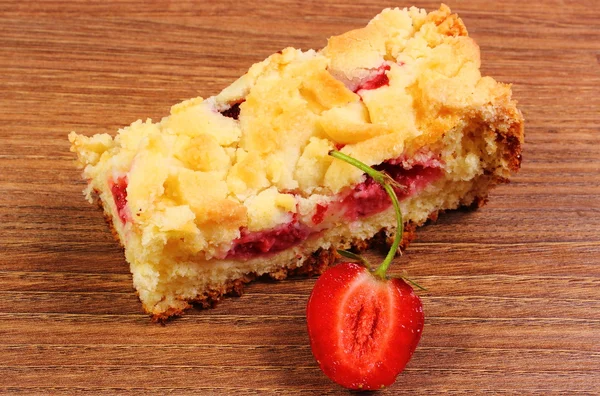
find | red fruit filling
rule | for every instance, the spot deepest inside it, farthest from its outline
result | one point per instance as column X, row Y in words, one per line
column 365, row 199
column 251, row 244
column 119, row 192
column 233, row 111
column 379, row 80
column 319, row 215
column 369, row 198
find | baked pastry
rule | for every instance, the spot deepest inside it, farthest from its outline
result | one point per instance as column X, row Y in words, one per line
column 240, row 184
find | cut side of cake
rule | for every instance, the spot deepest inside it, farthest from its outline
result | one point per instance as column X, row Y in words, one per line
column 240, row 185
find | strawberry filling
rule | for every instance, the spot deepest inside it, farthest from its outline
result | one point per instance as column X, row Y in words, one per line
column 118, row 189
column 251, row 244
column 379, row 80
column 369, row 198
column 366, row 199
column 319, row 215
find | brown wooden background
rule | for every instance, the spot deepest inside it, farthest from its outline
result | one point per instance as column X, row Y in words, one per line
column 513, row 300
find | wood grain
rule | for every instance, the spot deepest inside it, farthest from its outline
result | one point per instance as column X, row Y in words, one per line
column 513, row 300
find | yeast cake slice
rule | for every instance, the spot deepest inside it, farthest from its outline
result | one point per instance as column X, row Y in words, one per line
column 240, row 184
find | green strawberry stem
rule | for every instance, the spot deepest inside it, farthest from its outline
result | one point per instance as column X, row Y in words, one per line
column 412, row 282
column 354, row 256
column 386, row 182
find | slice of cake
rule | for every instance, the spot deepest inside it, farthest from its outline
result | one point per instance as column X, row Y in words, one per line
column 240, row 184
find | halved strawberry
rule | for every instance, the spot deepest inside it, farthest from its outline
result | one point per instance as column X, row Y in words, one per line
column 364, row 327
column 363, row 330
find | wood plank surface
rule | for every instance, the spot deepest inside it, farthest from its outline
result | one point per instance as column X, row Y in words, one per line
column 513, row 299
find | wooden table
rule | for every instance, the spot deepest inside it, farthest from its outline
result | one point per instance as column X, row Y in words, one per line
column 513, row 300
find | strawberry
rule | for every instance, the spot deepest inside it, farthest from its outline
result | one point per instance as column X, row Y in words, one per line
column 363, row 326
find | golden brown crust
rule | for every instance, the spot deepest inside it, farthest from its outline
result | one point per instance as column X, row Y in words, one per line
column 108, row 218
column 510, row 126
column 448, row 24
column 316, row 264
column 384, row 239
column 512, row 142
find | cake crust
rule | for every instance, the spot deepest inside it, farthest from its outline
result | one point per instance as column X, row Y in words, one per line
column 316, row 264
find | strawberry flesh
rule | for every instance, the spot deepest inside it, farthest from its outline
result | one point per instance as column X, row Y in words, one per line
column 363, row 330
